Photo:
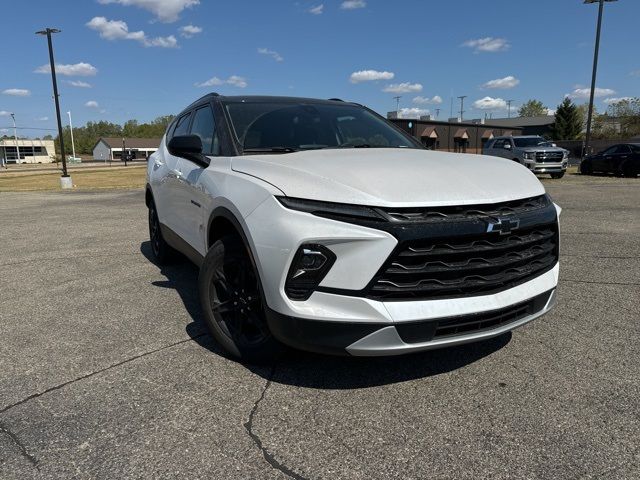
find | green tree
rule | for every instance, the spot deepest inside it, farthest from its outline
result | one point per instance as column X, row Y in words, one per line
column 568, row 122
column 532, row 108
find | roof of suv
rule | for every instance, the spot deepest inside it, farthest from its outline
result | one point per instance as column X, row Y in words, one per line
column 268, row 98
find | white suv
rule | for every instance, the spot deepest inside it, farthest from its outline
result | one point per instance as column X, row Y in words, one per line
column 320, row 225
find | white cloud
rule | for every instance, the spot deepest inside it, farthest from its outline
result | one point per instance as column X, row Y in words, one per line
column 79, row 84
column 271, row 53
column 81, row 69
column 502, row 83
column 353, row 4
column 233, row 80
column 4, row 113
column 412, row 112
column 17, row 92
column 189, row 31
column 583, row 93
column 370, row 75
column 43, row 119
column 405, row 87
column 612, row 100
column 119, row 30
column 165, row 10
column 489, row 103
column 435, row 100
column 163, row 42
column 317, row 10
column 487, row 44
column 91, row 104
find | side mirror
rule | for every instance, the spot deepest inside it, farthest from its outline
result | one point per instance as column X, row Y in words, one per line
column 507, row 146
column 189, row 147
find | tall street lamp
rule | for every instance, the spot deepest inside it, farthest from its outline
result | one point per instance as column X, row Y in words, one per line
column 587, row 139
column 15, row 136
column 65, row 179
column 73, row 145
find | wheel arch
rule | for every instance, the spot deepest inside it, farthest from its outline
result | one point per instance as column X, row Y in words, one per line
column 148, row 195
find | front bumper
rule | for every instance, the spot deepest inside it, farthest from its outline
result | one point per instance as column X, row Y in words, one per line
column 546, row 167
column 331, row 321
column 365, row 339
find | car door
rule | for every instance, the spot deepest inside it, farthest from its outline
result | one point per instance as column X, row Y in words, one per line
column 497, row 149
column 192, row 194
column 621, row 155
column 601, row 162
column 172, row 182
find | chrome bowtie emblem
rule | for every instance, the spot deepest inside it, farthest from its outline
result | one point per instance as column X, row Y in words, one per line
column 503, row 225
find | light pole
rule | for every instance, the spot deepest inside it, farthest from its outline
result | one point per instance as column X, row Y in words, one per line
column 65, row 179
column 509, row 108
column 462, row 97
column 397, row 99
column 15, row 137
column 73, row 145
column 587, row 139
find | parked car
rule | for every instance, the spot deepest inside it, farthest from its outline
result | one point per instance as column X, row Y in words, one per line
column 320, row 225
column 622, row 159
column 536, row 153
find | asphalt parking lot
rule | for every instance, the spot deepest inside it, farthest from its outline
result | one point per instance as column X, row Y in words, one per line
column 107, row 372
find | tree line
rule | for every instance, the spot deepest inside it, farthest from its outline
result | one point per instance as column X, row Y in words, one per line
column 620, row 121
column 86, row 137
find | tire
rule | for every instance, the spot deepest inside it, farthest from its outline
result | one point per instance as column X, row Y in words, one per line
column 628, row 170
column 233, row 303
column 557, row 175
column 586, row 168
column 162, row 252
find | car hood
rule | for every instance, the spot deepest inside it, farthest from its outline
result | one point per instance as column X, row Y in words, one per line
column 392, row 177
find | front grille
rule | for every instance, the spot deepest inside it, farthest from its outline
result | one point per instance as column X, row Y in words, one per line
column 424, row 331
column 467, row 264
column 549, row 156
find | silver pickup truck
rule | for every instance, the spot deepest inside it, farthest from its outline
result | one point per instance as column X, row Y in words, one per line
column 534, row 152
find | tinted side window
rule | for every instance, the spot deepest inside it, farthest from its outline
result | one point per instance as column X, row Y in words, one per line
column 204, row 126
column 182, row 125
column 170, row 130
column 498, row 143
column 610, row 150
column 623, row 149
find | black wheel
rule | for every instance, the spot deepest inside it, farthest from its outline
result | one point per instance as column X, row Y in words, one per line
column 557, row 175
column 162, row 252
column 628, row 170
column 232, row 302
column 586, row 168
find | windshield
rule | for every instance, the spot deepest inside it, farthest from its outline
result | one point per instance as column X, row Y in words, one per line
column 531, row 142
column 287, row 127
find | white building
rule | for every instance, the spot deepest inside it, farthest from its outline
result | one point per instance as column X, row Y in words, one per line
column 110, row 148
column 27, row 151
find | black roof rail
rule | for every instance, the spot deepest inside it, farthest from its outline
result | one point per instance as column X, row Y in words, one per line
column 336, row 100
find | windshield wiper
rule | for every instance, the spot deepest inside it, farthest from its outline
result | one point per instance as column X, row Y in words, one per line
column 269, row 150
column 354, row 145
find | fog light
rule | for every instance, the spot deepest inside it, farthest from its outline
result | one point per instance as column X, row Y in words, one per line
column 309, row 266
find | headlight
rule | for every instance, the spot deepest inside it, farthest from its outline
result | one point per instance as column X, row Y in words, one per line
column 565, row 155
column 529, row 155
column 335, row 211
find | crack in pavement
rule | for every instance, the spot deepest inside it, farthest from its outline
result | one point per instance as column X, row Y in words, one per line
column 91, row 374
column 601, row 283
column 23, row 449
column 269, row 457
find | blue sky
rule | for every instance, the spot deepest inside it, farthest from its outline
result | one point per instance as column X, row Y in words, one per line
column 144, row 58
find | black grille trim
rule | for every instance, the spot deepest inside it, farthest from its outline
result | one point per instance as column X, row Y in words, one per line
column 464, row 212
column 428, row 330
column 465, row 266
